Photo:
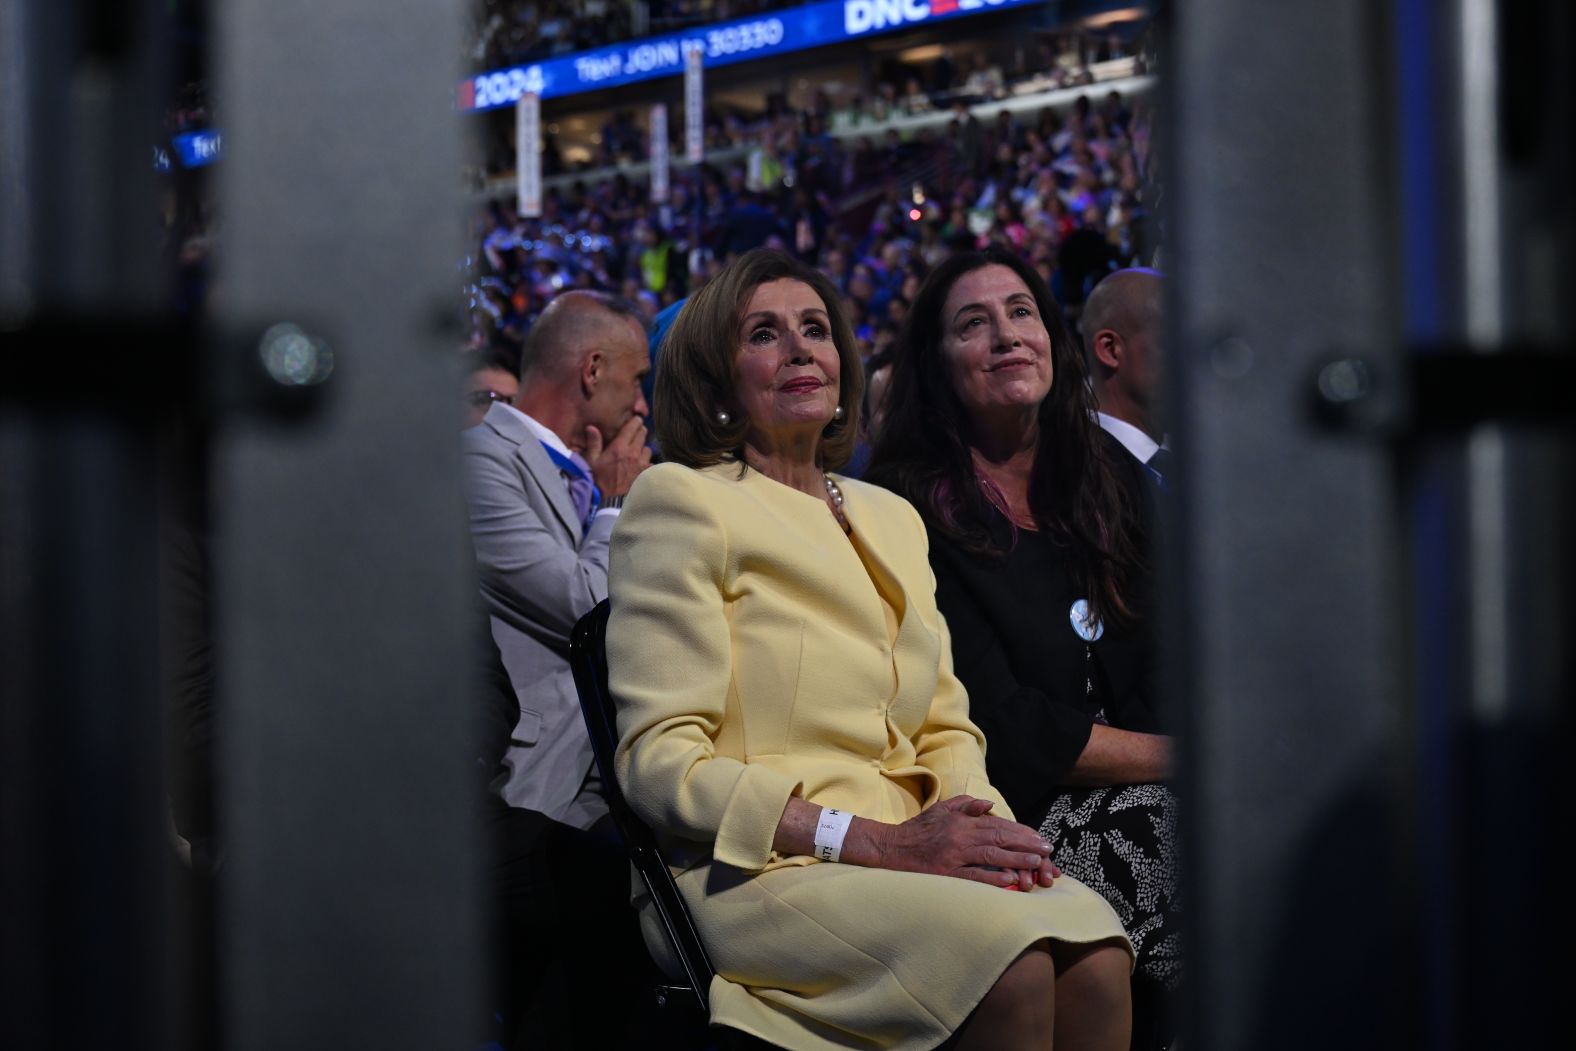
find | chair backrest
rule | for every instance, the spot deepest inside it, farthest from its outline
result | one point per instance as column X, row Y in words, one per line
column 588, row 660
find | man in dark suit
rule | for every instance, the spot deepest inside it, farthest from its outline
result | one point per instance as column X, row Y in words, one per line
column 1122, row 323
column 544, row 479
column 566, row 960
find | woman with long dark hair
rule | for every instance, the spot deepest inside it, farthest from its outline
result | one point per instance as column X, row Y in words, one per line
column 1038, row 531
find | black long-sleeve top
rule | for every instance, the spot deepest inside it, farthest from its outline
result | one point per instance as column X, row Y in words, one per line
column 1027, row 672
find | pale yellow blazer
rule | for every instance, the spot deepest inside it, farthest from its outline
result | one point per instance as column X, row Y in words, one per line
column 821, row 702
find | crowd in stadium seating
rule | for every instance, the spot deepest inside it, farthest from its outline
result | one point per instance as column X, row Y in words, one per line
column 1069, row 190
column 1056, row 61
column 508, row 32
column 504, row 32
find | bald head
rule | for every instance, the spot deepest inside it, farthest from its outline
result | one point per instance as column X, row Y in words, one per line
column 1122, row 323
column 570, row 327
column 1128, row 301
column 582, row 366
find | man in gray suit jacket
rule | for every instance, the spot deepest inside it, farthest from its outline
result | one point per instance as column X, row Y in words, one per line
column 544, row 479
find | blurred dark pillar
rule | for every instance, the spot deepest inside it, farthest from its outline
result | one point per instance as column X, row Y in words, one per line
column 1289, row 638
column 1484, row 98
column 347, row 914
column 1370, row 626
column 82, row 818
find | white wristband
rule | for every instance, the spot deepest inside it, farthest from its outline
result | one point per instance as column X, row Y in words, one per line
column 829, row 833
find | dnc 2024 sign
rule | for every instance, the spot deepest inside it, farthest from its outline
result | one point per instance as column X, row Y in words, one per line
column 742, row 40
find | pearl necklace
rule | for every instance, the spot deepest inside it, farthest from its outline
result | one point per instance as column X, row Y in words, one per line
column 835, row 495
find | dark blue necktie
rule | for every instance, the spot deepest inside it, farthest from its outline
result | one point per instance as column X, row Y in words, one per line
column 582, row 490
column 1159, row 467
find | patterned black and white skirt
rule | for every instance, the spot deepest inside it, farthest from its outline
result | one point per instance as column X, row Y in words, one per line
column 1122, row 842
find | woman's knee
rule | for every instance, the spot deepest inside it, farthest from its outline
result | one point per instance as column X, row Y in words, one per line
column 1027, row 986
column 1102, row 973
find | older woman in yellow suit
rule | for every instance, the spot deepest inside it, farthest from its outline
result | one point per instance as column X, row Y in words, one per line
column 791, row 727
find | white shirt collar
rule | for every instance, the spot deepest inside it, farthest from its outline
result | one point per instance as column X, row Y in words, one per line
column 547, row 436
column 1141, row 445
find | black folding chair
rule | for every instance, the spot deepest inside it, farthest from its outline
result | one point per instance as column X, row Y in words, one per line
column 588, row 659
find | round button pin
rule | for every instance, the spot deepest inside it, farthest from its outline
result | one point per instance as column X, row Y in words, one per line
column 1085, row 623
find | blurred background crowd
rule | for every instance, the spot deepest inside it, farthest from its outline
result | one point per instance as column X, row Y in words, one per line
column 1041, row 141
column 1047, row 148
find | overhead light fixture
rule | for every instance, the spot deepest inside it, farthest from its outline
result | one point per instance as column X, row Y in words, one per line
column 922, row 53
column 1107, row 18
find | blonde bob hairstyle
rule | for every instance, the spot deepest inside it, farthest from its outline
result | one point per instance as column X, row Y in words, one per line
column 696, row 378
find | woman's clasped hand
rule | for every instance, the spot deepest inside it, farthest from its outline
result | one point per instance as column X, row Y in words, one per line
column 960, row 837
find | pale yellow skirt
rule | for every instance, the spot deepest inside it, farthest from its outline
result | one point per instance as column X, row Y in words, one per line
column 826, row 956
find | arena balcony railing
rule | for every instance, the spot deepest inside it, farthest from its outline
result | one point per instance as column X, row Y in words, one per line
column 1049, row 89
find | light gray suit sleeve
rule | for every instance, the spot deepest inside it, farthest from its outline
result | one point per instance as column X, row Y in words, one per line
column 535, row 575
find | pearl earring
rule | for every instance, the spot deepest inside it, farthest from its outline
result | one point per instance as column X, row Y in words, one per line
column 723, row 419
column 837, row 413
